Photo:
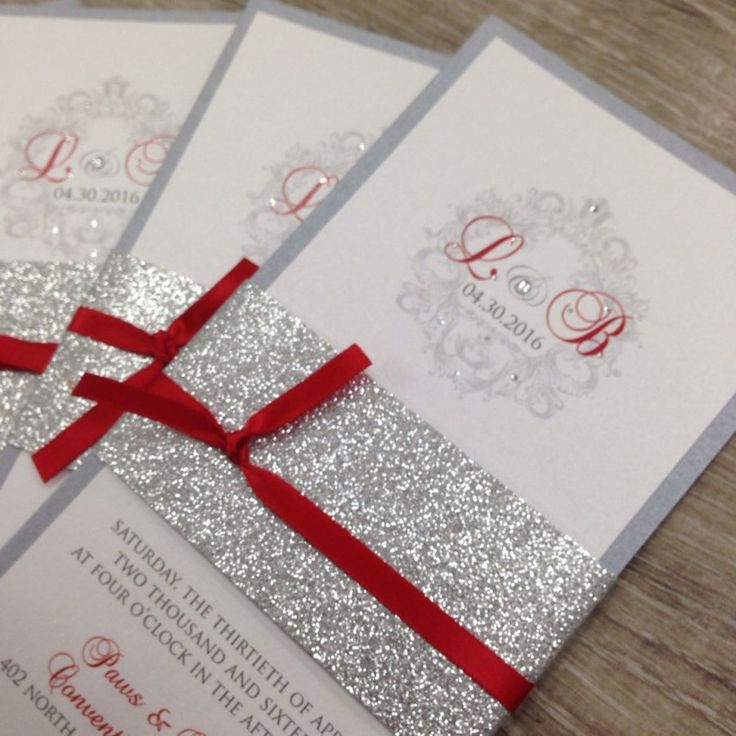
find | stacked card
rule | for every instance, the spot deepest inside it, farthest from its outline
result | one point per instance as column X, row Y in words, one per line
column 372, row 377
column 85, row 128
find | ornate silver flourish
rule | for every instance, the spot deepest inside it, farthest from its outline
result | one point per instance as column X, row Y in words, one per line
column 481, row 358
column 275, row 213
column 108, row 121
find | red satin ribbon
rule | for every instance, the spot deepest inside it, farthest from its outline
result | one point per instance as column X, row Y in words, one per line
column 25, row 355
column 162, row 346
column 334, row 541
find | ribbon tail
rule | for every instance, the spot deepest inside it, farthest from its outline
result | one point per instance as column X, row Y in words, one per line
column 75, row 439
column 314, row 390
column 197, row 315
column 389, row 587
column 119, row 333
column 25, row 355
column 93, row 425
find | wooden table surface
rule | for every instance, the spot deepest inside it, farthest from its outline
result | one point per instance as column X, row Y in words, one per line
column 658, row 657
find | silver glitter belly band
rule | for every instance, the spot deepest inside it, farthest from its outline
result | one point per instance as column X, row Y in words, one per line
column 351, row 555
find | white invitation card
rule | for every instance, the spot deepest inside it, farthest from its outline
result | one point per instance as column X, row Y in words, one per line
column 92, row 101
column 85, row 125
column 516, row 260
column 149, row 638
column 288, row 110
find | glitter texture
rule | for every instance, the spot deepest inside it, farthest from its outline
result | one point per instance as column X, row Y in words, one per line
column 470, row 543
column 37, row 300
column 128, row 288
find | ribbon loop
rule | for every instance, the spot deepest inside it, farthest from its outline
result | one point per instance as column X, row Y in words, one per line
column 314, row 390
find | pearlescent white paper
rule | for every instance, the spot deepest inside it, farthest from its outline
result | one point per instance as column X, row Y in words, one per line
column 136, row 559
column 601, row 207
column 83, row 134
column 295, row 108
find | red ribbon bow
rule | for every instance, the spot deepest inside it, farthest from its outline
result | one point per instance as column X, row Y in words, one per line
column 25, row 355
column 306, row 518
column 162, row 346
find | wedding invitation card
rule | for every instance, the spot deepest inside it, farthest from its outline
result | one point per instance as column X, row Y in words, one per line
column 524, row 280
column 320, row 143
column 83, row 134
column 415, row 577
column 84, row 128
column 148, row 636
column 251, row 175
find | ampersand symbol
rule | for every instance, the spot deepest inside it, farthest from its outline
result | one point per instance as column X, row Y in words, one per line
column 157, row 719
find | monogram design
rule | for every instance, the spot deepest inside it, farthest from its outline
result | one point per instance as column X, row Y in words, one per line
column 297, row 185
column 530, row 297
column 75, row 173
